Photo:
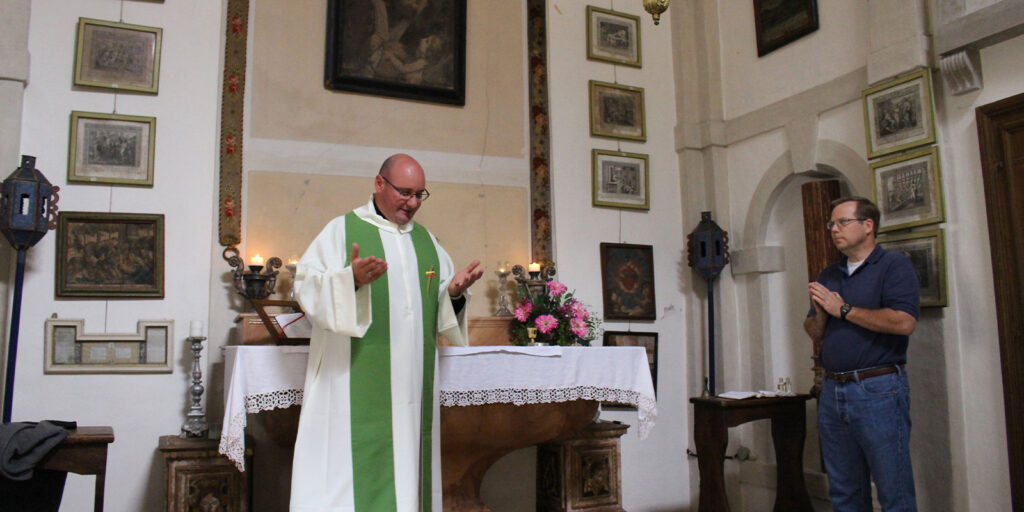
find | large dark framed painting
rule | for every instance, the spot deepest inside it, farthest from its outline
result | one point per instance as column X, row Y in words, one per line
column 780, row 22
column 627, row 281
column 412, row 49
column 110, row 255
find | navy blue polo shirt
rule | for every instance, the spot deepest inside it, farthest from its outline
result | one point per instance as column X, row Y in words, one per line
column 885, row 280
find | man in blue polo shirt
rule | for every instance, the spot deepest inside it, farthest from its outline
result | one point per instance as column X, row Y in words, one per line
column 864, row 307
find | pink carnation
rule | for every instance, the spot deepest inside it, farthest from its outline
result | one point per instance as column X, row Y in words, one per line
column 522, row 313
column 579, row 327
column 546, row 323
column 578, row 311
column 556, row 288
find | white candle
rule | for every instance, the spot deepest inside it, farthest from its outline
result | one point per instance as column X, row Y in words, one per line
column 534, row 267
column 195, row 329
column 256, row 260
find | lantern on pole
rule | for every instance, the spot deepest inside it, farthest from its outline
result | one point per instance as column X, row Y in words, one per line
column 708, row 254
column 28, row 209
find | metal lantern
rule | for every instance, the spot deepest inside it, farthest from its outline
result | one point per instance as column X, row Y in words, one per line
column 708, row 247
column 28, row 209
column 27, row 205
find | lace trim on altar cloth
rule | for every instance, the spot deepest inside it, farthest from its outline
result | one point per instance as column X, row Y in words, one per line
column 646, row 408
column 232, row 439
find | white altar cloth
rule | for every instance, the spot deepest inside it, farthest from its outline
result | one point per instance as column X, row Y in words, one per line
column 264, row 377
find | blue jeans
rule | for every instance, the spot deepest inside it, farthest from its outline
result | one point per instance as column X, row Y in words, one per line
column 865, row 432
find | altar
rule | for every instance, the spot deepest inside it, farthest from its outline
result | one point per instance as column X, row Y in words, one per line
column 552, row 390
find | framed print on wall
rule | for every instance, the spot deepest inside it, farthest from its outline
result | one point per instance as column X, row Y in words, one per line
column 613, row 37
column 927, row 252
column 627, row 281
column 620, row 179
column 780, row 22
column 118, row 56
column 411, row 50
column 617, row 111
column 110, row 255
column 111, row 149
column 908, row 190
column 898, row 114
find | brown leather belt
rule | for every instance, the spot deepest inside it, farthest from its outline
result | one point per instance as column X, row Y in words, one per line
column 844, row 377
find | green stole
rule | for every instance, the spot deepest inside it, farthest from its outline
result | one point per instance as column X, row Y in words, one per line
column 373, row 455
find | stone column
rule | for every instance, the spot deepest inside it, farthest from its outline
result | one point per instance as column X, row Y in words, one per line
column 14, row 60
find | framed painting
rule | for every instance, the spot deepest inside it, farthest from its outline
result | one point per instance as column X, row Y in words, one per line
column 613, row 37
column 927, row 252
column 110, row 255
column 617, row 111
column 620, row 179
column 898, row 114
column 118, row 56
column 627, row 281
column 780, row 22
column 111, row 149
column 402, row 49
column 70, row 350
column 647, row 340
column 908, row 190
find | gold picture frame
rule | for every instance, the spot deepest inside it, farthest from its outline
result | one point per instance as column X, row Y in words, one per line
column 927, row 252
column 111, row 149
column 69, row 350
column 110, row 255
column 118, row 56
column 621, row 180
column 899, row 114
column 617, row 111
column 908, row 190
column 613, row 37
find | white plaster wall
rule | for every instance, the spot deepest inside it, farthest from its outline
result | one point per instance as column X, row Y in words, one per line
column 749, row 82
column 140, row 408
column 653, row 470
column 977, row 420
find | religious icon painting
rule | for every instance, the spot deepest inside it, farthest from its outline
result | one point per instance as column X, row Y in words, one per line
column 627, row 281
column 908, row 190
column 898, row 114
column 410, row 50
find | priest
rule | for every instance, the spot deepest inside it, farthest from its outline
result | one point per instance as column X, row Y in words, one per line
column 378, row 289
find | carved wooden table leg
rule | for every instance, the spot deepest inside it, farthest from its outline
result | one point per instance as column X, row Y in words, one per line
column 475, row 437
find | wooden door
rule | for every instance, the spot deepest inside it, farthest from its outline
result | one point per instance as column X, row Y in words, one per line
column 1001, row 137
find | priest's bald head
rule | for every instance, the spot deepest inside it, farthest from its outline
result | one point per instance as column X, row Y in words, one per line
column 398, row 188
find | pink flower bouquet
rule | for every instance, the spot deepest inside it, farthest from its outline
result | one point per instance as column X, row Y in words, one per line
column 559, row 319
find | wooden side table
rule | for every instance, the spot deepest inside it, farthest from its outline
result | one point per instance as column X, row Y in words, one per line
column 581, row 473
column 84, row 452
column 712, row 418
column 200, row 478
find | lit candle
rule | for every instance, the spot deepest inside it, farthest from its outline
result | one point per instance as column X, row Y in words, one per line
column 195, row 329
column 256, row 260
column 534, row 267
column 501, row 267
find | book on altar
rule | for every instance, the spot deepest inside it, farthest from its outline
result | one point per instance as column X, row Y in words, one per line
column 295, row 325
column 740, row 395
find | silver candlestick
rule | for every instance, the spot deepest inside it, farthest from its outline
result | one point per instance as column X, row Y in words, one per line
column 196, row 425
column 503, row 273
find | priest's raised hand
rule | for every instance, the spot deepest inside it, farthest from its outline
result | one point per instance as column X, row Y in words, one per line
column 464, row 278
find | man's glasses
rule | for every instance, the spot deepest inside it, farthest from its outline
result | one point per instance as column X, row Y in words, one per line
column 842, row 223
column 408, row 193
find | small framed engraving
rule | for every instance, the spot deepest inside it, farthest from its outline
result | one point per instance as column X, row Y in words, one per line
column 118, row 56
column 111, row 149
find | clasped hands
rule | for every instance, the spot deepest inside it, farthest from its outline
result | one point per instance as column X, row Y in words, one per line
column 369, row 269
column 824, row 299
